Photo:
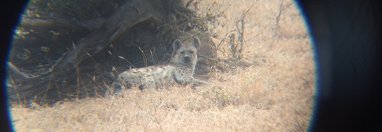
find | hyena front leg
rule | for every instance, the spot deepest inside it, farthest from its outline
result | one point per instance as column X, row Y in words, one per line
column 197, row 82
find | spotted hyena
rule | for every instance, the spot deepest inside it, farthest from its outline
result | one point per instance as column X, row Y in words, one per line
column 180, row 70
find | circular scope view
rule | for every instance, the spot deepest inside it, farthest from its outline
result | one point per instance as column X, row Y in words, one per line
column 161, row 65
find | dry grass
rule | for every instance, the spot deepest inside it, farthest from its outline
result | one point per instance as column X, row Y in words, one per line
column 273, row 94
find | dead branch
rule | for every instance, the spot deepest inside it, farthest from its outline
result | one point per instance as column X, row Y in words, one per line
column 17, row 72
column 50, row 22
column 240, row 27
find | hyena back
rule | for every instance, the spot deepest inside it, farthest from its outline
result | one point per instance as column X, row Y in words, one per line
column 180, row 70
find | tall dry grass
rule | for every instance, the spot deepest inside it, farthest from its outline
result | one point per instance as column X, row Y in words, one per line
column 275, row 93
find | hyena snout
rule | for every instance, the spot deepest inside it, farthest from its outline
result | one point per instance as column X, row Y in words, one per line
column 187, row 59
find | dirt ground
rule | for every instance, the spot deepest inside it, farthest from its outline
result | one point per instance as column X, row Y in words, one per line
column 274, row 93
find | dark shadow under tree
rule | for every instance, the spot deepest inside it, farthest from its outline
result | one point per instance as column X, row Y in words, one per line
column 66, row 49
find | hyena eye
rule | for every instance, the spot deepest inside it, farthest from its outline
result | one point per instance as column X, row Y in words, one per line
column 182, row 52
column 191, row 52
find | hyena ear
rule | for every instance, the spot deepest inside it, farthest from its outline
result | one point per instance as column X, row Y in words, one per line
column 176, row 44
column 196, row 42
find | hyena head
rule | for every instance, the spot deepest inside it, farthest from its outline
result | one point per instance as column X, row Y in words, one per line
column 185, row 54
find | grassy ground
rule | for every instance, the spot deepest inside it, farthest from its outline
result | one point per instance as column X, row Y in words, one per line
column 273, row 94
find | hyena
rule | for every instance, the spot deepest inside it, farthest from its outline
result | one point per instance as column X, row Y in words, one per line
column 180, row 70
